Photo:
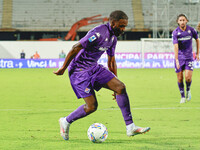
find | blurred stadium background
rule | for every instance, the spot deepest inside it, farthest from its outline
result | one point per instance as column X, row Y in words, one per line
column 32, row 100
column 23, row 23
column 32, row 20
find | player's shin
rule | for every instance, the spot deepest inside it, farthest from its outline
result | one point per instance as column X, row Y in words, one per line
column 188, row 92
column 77, row 114
column 124, row 105
column 181, row 89
column 188, row 84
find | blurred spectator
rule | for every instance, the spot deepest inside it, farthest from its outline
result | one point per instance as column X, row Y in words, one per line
column 36, row 55
column 62, row 54
column 22, row 55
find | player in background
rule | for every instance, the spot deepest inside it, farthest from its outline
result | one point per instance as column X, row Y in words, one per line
column 182, row 40
column 86, row 75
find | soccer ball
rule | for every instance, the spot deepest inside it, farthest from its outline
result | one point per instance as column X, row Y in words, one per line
column 97, row 133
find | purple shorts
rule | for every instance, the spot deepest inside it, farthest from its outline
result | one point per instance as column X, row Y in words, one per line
column 84, row 82
column 184, row 65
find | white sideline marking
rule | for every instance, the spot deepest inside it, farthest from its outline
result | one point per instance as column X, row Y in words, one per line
column 99, row 109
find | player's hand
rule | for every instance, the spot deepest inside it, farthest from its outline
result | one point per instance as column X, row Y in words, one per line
column 177, row 64
column 59, row 71
column 114, row 96
column 197, row 57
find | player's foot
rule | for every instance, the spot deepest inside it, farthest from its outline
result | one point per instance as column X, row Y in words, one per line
column 188, row 95
column 182, row 100
column 137, row 130
column 64, row 128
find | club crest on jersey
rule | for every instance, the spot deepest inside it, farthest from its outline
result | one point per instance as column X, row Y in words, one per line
column 189, row 31
column 92, row 38
column 178, row 33
column 87, row 90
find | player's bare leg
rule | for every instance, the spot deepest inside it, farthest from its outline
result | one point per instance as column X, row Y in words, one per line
column 123, row 102
column 188, row 80
column 181, row 86
column 91, row 104
column 80, row 112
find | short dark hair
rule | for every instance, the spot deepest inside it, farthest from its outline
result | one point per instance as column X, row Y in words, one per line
column 181, row 15
column 117, row 15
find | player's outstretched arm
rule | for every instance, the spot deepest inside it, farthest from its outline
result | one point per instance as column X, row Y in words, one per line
column 72, row 53
column 197, row 53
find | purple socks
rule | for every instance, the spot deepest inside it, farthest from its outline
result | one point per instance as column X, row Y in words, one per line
column 123, row 103
column 188, row 84
column 77, row 114
column 181, row 89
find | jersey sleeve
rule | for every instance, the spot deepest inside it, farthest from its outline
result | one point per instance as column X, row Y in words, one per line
column 90, row 39
column 194, row 33
column 111, row 51
column 175, row 38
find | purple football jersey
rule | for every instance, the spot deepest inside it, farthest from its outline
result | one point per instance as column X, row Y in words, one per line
column 184, row 41
column 95, row 43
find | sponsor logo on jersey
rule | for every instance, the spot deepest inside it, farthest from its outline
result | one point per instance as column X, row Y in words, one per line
column 87, row 90
column 184, row 38
column 103, row 48
column 92, row 38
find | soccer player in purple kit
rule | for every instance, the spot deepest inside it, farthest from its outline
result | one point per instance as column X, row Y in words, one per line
column 86, row 75
column 182, row 40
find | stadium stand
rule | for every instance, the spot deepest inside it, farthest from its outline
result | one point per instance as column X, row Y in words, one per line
column 175, row 7
column 1, row 12
column 61, row 14
column 20, row 18
column 138, row 15
column 7, row 14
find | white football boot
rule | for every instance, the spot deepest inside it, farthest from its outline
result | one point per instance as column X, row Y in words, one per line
column 137, row 130
column 188, row 95
column 182, row 100
column 64, row 128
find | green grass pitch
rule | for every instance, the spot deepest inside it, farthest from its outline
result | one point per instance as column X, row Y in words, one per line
column 32, row 101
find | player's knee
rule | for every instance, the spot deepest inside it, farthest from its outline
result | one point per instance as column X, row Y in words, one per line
column 91, row 108
column 188, row 79
column 121, row 88
column 180, row 79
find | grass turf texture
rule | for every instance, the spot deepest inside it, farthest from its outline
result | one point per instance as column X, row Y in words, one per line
column 32, row 101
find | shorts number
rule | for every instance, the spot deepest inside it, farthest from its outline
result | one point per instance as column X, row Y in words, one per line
column 191, row 64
